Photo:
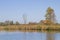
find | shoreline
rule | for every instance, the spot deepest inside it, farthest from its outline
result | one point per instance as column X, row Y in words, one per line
column 30, row 27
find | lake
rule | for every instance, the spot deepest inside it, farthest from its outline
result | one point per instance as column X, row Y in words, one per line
column 19, row 35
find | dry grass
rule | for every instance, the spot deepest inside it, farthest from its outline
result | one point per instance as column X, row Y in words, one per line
column 29, row 27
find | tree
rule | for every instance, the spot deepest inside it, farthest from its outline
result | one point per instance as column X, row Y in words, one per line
column 25, row 18
column 50, row 16
column 9, row 22
column 6, row 22
column 17, row 23
column 2, row 24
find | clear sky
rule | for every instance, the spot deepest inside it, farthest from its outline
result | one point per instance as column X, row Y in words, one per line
column 34, row 9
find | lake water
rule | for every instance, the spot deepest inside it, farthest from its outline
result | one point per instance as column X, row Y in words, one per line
column 29, row 35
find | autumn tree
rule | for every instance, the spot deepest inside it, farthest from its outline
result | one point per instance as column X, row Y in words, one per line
column 50, row 15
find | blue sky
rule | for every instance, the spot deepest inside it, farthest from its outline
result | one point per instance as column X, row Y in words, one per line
column 35, row 10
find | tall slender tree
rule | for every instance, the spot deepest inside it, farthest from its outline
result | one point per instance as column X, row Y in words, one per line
column 25, row 18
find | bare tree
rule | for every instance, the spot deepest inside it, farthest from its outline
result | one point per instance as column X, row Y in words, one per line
column 25, row 18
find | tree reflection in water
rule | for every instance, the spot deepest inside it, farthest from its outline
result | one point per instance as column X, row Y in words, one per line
column 50, row 36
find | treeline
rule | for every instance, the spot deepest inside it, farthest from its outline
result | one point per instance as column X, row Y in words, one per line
column 9, row 23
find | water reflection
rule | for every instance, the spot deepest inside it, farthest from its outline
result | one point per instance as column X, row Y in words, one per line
column 30, row 35
column 50, row 36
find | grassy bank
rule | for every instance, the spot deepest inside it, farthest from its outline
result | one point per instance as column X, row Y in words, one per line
column 30, row 27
